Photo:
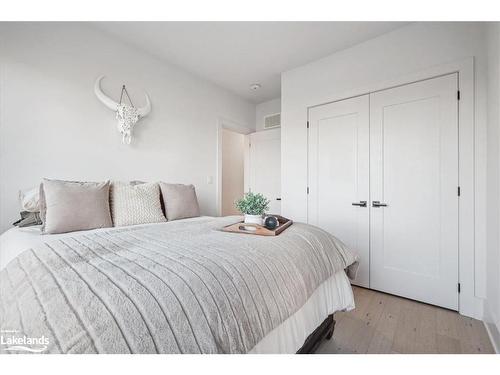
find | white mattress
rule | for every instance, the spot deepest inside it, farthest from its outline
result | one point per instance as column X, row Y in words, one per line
column 334, row 294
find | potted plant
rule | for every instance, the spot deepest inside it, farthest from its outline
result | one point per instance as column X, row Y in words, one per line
column 253, row 206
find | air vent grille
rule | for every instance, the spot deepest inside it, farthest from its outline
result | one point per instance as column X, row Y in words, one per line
column 272, row 121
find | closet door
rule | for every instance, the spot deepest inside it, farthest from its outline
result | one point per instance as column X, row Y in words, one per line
column 414, row 200
column 339, row 176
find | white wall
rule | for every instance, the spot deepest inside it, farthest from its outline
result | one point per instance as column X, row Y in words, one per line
column 233, row 150
column 264, row 109
column 492, row 308
column 404, row 51
column 52, row 125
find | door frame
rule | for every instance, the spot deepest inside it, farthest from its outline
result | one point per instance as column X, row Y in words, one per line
column 470, row 220
column 224, row 123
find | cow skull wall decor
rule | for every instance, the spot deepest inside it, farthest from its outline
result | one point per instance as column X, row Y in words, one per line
column 127, row 115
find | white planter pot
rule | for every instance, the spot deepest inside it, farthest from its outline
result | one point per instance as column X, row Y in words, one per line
column 253, row 219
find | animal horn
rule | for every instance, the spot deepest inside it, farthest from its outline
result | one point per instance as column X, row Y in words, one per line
column 106, row 100
column 144, row 111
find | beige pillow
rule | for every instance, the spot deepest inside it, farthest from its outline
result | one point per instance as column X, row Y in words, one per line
column 180, row 201
column 67, row 206
column 133, row 204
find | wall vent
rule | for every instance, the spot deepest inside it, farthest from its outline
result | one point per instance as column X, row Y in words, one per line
column 272, row 121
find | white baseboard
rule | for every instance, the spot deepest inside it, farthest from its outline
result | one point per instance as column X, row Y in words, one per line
column 494, row 335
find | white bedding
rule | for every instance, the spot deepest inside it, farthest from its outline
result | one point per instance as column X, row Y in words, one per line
column 15, row 240
column 334, row 294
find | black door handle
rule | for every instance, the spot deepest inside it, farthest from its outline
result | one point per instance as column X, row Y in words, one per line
column 378, row 204
column 278, row 199
column 360, row 204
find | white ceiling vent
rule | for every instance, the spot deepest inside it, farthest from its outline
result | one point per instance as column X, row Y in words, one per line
column 272, row 121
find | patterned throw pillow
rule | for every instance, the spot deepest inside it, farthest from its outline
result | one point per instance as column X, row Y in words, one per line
column 135, row 204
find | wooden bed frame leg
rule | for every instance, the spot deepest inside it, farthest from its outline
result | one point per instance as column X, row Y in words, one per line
column 329, row 335
column 325, row 330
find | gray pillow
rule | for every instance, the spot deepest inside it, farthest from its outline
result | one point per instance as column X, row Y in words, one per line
column 28, row 219
column 67, row 206
column 180, row 201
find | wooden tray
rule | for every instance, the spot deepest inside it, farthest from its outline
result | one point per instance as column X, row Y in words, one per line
column 260, row 230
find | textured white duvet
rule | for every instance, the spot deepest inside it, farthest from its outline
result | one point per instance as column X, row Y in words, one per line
column 281, row 334
column 15, row 240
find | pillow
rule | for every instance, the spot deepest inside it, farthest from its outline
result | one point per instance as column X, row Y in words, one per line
column 28, row 219
column 30, row 199
column 135, row 204
column 67, row 206
column 180, row 201
column 137, row 182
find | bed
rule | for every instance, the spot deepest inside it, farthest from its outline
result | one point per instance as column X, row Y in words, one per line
column 176, row 287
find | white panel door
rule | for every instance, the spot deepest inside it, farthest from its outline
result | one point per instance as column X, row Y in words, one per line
column 265, row 166
column 339, row 175
column 414, row 171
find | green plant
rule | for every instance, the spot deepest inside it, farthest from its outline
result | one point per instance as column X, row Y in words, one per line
column 252, row 204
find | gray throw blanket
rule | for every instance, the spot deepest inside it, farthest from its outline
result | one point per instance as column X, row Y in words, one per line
column 177, row 287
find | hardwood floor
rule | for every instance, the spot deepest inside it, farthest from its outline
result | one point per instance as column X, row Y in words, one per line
column 383, row 323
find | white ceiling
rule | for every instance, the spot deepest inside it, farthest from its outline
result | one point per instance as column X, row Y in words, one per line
column 236, row 54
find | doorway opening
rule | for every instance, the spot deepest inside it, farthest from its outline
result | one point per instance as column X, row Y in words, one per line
column 247, row 161
column 232, row 165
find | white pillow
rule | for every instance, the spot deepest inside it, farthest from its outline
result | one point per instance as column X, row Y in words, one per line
column 30, row 199
column 135, row 204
